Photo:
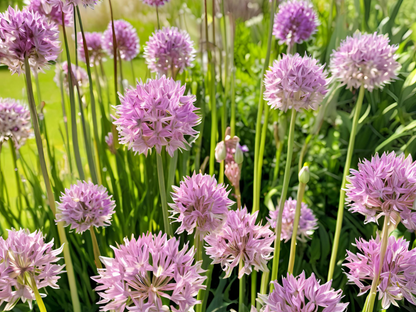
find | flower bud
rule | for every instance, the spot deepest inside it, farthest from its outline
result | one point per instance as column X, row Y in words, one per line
column 304, row 175
column 238, row 156
column 220, row 151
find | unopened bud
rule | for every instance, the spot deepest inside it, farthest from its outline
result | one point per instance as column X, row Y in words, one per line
column 238, row 156
column 220, row 151
column 304, row 175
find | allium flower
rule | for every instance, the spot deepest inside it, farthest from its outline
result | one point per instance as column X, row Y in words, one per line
column 52, row 9
column 295, row 22
column 14, row 122
column 384, row 186
column 146, row 270
column 79, row 75
column 200, row 204
column 94, row 46
column 126, row 37
column 241, row 240
column 156, row 114
column 27, row 34
column 295, row 82
column 302, row 294
column 155, row 3
column 169, row 50
column 397, row 278
column 365, row 59
column 84, row 205
column 307, row 221
column 25, row 258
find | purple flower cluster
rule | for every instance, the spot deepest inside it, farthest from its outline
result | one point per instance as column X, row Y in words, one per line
column 365, row 59
column 52, row 9
column 25, row 34
column 295, row 22
column 94, row 47
column 200, row 204
column 169, row 50
column 295, row 82
column 79, row 76
column 241, row 240
column 84, row 205
column 126, row 37
column 156, row 114
column 307, row 222
column 302, row 294
column 144, row 271
column 26, row 259
column 155, row 3
column 384, row 186
column 397, row 278
column 14, row 122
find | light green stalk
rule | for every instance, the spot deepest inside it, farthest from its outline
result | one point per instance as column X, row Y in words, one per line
column 241, row 287
column 344, row 181
column 162, row 190
column 214, row 120
column 95, row 248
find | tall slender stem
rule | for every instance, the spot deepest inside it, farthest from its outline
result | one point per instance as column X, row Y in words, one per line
column 157, row 16
column 283, row 197
column 241, row 288
column 114, row 53
column 38, row 297
column 162, row 189
column 64, row 115
column 214, row 122
column 301, row 192
column 74, row 131
column 259, row 164
column 369, row 306
column 51, row 199
column 256, row 194
column 16, row 172
column 232, row 117
column 173, row 162
column 340, row 215
column 263, row 286
column 95, row 248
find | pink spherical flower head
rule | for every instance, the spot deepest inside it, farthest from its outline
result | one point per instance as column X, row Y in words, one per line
column 302, row 294
column 200, row 204
column 397, row 278
column 307, row 221
column 155, row 3
column 15, row 122
column 26, row 34
column 53, row 10
column 84, row 205
column 295, row 82
column 295, row 22
column 79, row 76
column 94, row 47
column 144, row 271
column 241, row 239
column 365, row 59
column 26, row 259
column 126, row 38
column 384, row 186
column 169, row 50
column 156, row 114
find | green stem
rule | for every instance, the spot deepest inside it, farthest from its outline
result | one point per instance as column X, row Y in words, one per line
column 16, row 172
column 162, row 189
column 277, row 165
column 214, row 121
column 344, row 181
column 203, row 295
column 171, row 174
column 232, row 118
column 256, row 182
column 157, row 16
column 283, row 197
column 51, row 199
column 369, row 306
column 95, row 248
column 74, row 131
column 38, row 297
column 263, row 286
column 92, row 99
column 39, row 96
column 301, row 192
column 253, row 288
column 259, row 164
column 241, row 288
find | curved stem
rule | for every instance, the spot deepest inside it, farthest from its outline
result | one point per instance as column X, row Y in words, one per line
column 51, row 199
column 162, row 190
column 95, row 248
column 344, row 181
column 283, row 197
column 301, row 192
column 369, row 306
column 256, row 195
